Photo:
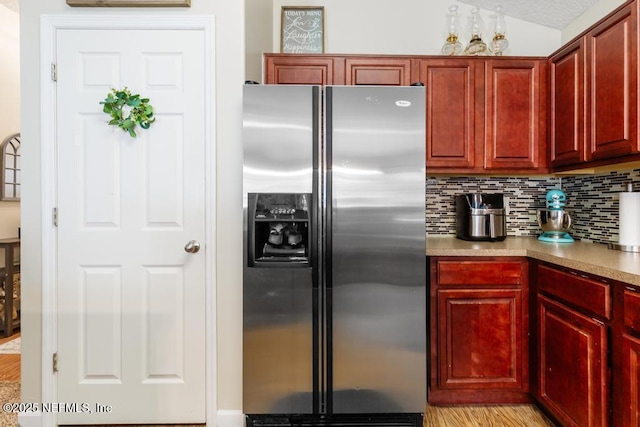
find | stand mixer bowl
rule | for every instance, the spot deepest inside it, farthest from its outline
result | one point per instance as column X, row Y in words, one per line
column 555, row 223
column 551, row 220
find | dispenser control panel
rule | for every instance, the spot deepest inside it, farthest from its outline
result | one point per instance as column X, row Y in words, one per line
column 279, row 229
column 282, row 206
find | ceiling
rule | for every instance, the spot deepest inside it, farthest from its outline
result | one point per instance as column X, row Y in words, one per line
column 10, row 4
column 549, row 13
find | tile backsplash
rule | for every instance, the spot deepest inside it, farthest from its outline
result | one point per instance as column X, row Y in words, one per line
column 593, row 200
column 523, row 195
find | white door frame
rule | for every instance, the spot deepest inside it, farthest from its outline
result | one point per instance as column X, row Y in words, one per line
column 49, row 25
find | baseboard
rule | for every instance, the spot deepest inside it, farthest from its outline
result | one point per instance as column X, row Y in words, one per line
column 226, row 418
column 30, row 419
column 230, row 418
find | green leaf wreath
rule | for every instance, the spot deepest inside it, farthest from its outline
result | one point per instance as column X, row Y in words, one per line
column 128, row 111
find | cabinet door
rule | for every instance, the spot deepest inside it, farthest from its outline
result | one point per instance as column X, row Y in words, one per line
column 612, row 82
column 567, row 105
column 303, row 70
column 450, row 109
column 514, row 120
column 572, row 365
column 631, row 380
column 631, row 297
column 378, row 71
column 480, row 339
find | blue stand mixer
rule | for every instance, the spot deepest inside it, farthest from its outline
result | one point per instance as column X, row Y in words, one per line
column 554, row 220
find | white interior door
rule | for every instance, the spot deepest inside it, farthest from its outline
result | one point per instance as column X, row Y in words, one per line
column 131, row 300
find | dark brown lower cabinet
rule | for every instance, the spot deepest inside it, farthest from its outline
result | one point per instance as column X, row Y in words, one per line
column 572, row 365
column 578, row 333
column 630, row 375
column 631, row 380
column 479, row 342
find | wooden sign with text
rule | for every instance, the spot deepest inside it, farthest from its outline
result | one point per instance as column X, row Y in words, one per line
column 302, row 30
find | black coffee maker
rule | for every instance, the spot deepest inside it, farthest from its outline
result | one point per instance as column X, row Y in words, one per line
column 481, row 216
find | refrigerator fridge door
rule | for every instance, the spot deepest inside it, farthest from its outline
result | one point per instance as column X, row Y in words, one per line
column 376, row 283
column 280, row 132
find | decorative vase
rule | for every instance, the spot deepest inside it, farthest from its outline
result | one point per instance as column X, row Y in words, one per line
column 476, row 46
column 452, row 45
column 499, row 43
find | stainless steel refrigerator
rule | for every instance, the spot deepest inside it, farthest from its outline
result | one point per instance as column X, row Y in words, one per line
column 334, row 255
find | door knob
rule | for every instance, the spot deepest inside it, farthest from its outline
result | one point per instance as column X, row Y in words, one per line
column 192, row 247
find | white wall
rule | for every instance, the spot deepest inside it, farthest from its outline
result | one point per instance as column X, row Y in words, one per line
column 9, row 222
column 407, row 27
column 9, row 105
column 9, row 72
column 229, row 57
column 590, row 17
column 258, row 34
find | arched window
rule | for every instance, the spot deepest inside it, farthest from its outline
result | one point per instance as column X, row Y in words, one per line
column 10, row 161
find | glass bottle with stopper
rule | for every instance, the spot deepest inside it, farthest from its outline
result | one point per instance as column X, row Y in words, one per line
column 452, row 46
column 499, row 43
column 476, row 46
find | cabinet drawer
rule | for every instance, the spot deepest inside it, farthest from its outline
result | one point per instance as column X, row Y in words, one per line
column 479, row 272
column 632, row 309
column 583, row 292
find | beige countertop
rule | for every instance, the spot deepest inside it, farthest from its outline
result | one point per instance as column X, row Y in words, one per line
column 592, row 258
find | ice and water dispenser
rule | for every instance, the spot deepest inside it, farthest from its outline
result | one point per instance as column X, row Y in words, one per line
column 279, row 229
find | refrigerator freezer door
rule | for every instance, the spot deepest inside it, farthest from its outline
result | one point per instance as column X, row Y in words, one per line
column 277, row 341
column 377, row 277
column 280, row 134
column 279, row 128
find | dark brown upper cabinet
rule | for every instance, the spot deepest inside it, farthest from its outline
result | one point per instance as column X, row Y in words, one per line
column 594, row 94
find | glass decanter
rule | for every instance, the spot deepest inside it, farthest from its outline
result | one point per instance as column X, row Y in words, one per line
column 452, row 46
column 499, row 43
column 476, row 46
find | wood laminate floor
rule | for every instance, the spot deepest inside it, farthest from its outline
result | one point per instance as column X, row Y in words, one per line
column 485, row 416
column 9, row 363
